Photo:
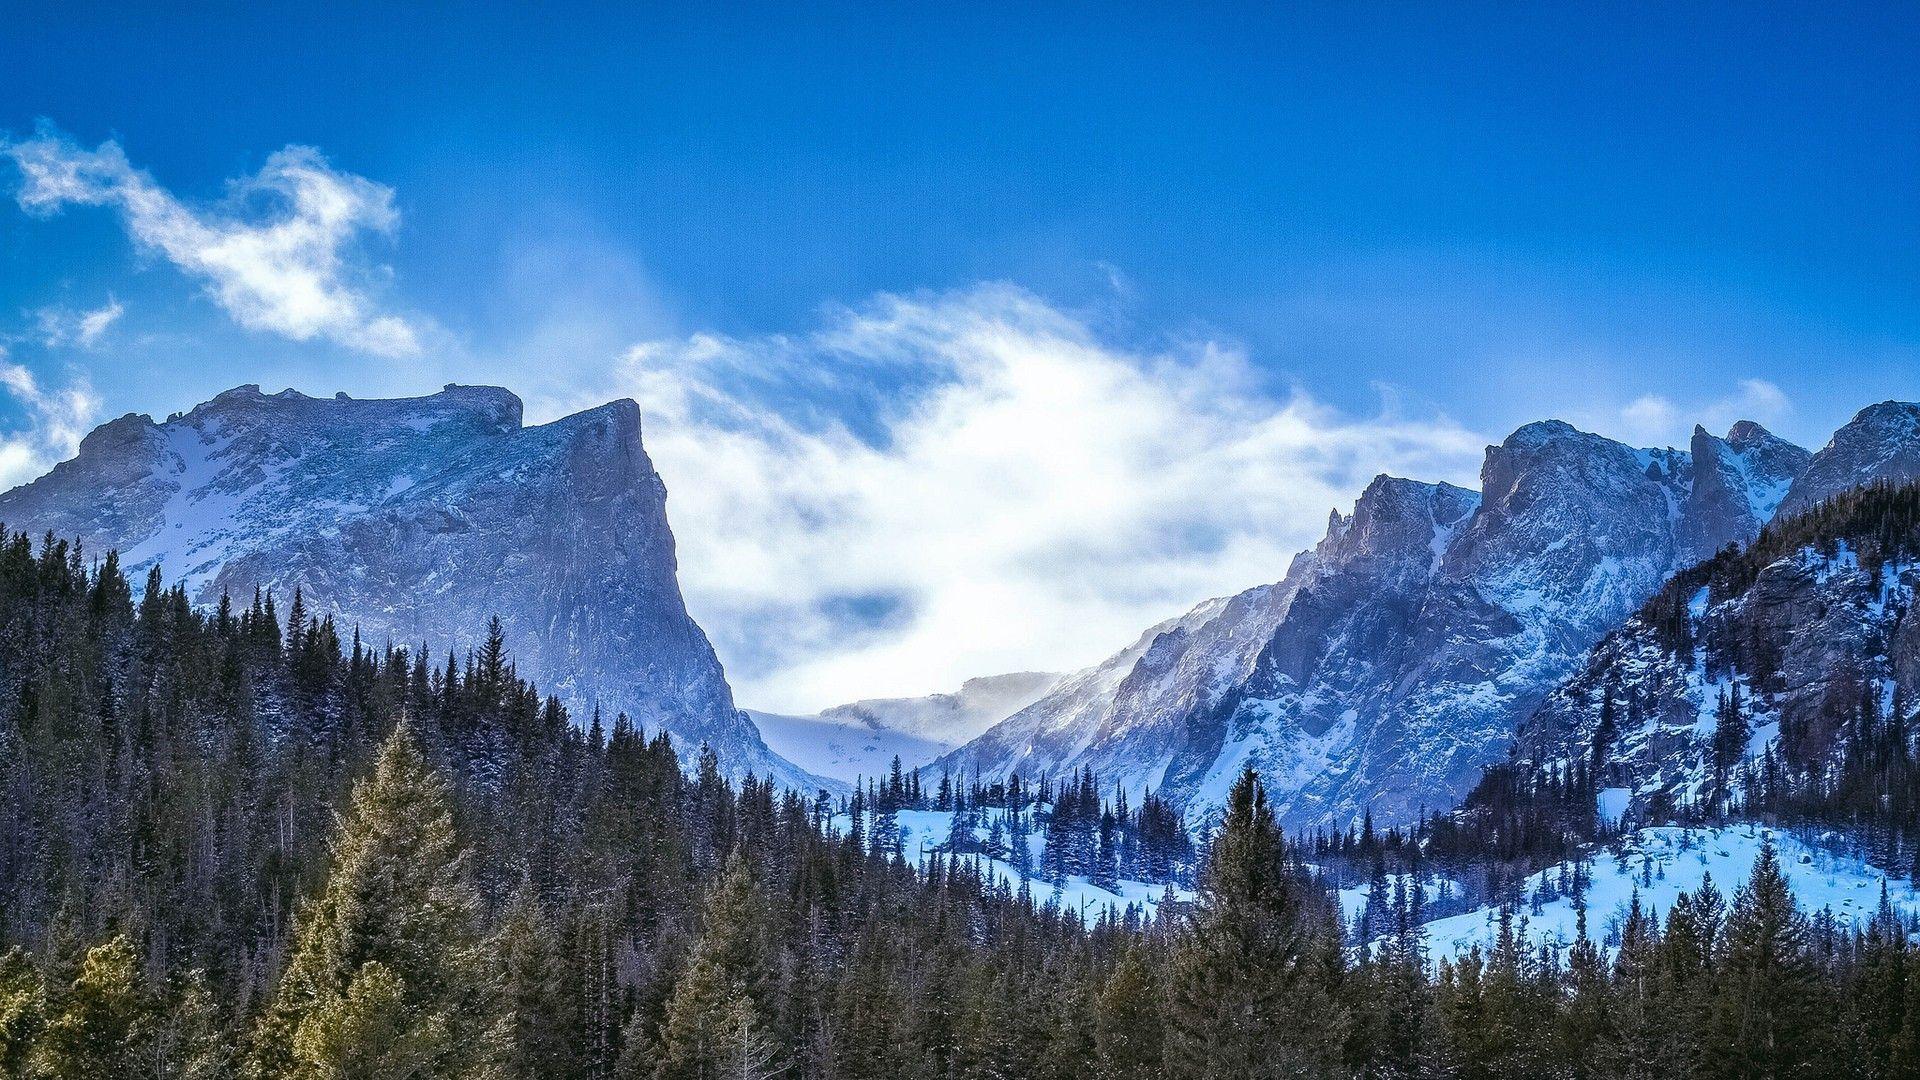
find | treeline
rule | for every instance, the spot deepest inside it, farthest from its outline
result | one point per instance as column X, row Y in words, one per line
column 1078, row 831
column 1878, row 523
column 237, row 845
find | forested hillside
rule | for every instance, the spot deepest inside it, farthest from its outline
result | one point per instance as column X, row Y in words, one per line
column 243, row 843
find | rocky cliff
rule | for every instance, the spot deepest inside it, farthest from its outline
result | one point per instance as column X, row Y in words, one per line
column 416, row 520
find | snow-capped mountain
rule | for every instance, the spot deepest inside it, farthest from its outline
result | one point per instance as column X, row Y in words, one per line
column 416, row 520
column 1397, row 657
column 1129, row 715
column 1738, row 483
column 861, row 739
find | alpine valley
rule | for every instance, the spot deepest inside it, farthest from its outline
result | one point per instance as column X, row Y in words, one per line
column 1455, row 796
column 1379, row 676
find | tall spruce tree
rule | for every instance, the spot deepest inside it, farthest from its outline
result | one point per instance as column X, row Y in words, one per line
column 1765, row 1019
column 102, row 1025
column 389, row 975
column 1257, row 966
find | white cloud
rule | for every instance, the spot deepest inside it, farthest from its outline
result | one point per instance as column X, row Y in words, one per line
column 1655, row 418
column 275, row 256
column 57, row 419
column 63, row 326
column 1021, row 494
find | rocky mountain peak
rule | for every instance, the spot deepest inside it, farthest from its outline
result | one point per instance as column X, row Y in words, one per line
column 1881, row 442
column 417, row 519
column 1738, row 483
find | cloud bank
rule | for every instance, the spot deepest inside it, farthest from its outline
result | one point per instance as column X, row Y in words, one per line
column 1009, row 488
column 57, row 419
column 276, row 255
column 1655, row 417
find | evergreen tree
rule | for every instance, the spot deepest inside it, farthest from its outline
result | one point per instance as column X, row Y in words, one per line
column 1257, row 967
column 391, row 948
column 1764, row 1019
column 23, row 1011
column 102, row 1025
column 1128, row 1018
column 541, row 1027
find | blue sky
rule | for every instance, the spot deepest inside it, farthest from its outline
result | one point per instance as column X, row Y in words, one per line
column 1393, row 219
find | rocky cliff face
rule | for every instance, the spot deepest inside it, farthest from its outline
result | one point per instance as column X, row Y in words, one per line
column 1882, row 442
column 1396, row 659
column 416, row 520
column 1738, row 484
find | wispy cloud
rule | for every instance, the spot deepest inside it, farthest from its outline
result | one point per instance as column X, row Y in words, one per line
column 60, row 326
column 1014, row 491
column 1658, row 418
column 276, row 254
column 56, row 420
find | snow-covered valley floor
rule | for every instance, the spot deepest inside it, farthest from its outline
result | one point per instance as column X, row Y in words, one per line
column 1661, row 863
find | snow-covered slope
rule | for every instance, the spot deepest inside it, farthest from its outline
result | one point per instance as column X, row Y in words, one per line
column 1395, row 659
column 1129, row 715
column 925, row 832
column 862, row 738
column 1662, row 863
column 417, row 519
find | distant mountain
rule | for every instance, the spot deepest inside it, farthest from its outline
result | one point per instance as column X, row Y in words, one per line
column 862, row 738
column 416, row 520
column 1738, row 484
column 1397, row 657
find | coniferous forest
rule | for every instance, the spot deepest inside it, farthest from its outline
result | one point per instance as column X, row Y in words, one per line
column 244, row 843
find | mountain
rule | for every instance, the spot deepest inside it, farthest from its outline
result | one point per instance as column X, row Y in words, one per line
column 862, row 738
column 1788, row 650
column 1128, row 715
column 1882, row 442
column 1738, row 483
column 416, row 520
column 1397, row 657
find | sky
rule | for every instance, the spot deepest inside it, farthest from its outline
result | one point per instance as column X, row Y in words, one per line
column 980, row 338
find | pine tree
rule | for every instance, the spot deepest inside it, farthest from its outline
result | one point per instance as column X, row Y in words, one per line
column 391, row 947
column 537, row 1000
column 1764, row 1020
column 102, row 1025
column 715, row 1024
column 1128, row 1018
column 1256, row 969
column 23, row 1011
column 712, row 1030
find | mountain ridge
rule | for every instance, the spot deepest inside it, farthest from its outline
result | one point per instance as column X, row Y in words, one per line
column 1398, row 656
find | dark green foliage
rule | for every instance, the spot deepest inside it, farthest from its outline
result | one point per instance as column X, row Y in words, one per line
column 1256, row 974
column 229, row 838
